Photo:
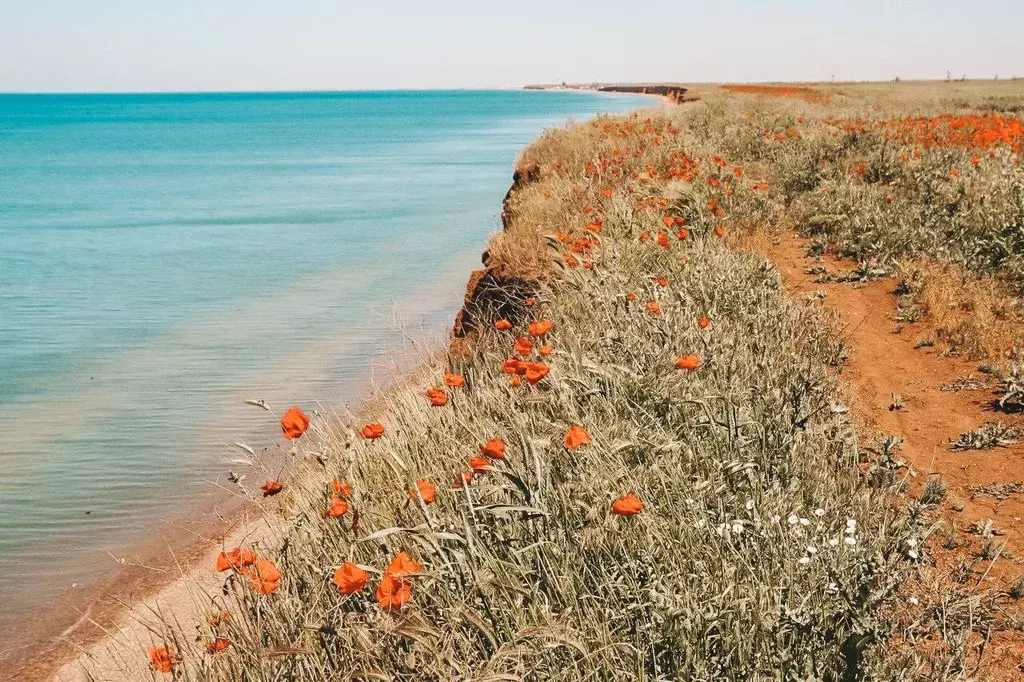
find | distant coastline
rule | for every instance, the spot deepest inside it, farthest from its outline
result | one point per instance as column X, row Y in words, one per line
column 673, row 92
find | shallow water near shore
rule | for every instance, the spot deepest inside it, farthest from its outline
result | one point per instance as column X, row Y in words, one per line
column 164, row 257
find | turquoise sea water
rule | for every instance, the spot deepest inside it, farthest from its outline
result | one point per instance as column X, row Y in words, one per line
column 164, row 257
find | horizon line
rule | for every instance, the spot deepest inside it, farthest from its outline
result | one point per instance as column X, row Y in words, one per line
column 568, row 87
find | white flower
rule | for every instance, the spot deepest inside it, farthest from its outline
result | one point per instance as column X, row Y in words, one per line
column 819, row 512
column 722, row 529
column 834, row 542
column 804, row 560
column 913, row 600
column 775, row 518
column 832, row 588
column 850, row 540
column 689, row 500
column 812, row 549
column 912, row 554
column 737, row 528
column 793, row 519
column 804, row 522
column 749, row 505
column 851, row 523
column 912, row 542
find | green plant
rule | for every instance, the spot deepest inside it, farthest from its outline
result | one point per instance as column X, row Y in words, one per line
column 989, row 435
column 934, row 491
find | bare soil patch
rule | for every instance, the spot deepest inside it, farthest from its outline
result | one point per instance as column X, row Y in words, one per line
column 984, row 486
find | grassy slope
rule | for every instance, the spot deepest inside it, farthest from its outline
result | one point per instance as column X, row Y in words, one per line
column 730, row 571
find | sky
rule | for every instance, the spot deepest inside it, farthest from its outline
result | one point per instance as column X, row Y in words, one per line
column 235, row 45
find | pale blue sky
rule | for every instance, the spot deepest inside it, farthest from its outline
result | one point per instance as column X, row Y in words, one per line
column 151, row 45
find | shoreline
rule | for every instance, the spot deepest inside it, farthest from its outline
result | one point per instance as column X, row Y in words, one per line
column 37, row 645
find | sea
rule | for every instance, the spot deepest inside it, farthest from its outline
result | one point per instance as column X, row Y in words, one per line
column 165, row 257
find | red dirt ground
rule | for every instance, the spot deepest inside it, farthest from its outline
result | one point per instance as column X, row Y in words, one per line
column 882, row 362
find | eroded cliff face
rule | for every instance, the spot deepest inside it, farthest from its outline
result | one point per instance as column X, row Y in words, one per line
column 490, row 295
column 676, row 93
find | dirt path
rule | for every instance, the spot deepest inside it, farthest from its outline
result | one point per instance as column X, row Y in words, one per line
column 882, row 362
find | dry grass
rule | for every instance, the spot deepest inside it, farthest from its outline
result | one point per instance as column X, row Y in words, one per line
column 771, row 546
column 976, row 315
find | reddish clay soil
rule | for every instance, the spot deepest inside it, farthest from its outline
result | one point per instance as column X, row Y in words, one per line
column 883, row 360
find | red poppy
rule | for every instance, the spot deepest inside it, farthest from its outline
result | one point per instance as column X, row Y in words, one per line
column 494, row 448
column 644, row 236
column 454, row 380
column 238, row 559
column 394, row 589
column 719, row 231
column 663, row 239
column 426, row 490
column 596, row 226
column 683, row 233
column 264, row 576
column 514, row 366
column 350, row 579
column 661, row 281
column 479, row 465
column 541, row 327
column 535, row 371
column 464, row 477
column 294, row 423
column 607, row 192
column 338, row 507
column 393, row 593
column 545, row 350
column 218, row 645
column 162, row 659
column 524, row 346
column 688, row 362
column 516, row 382
column 703, row 322
column 403, row 565
column 653, row 307
column 503, row 325
column 575, row 437
column 373, row 431
column 630, row 296
column 669, row 221
column 437, row 397
column 531, row 300
column 271, row 488
column 629, row 505
column 343, row 490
